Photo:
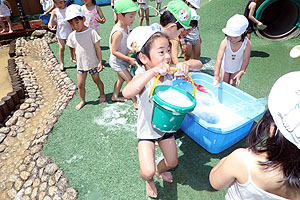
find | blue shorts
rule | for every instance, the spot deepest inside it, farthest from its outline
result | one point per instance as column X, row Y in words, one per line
column 91, row 71
column 165, row 136
column 191, row 42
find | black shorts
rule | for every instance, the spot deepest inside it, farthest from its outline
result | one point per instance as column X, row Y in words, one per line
column 165, row 136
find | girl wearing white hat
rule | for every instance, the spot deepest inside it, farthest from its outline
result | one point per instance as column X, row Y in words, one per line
column 234, row 52
column 269, row 168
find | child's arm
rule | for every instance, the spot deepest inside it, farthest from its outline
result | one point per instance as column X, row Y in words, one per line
column 246, row 59
column 50, row 24
column 229, row 169
column 174, row 51
column 116, row 39
column 219, row 61
column 99, row 55
column 102, row 18
column 50, row 10
column 137, row 84
column 252, row 8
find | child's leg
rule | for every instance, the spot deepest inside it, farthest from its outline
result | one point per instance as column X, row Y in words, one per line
column 2, row 25
column 232, row 81
column 100, row 86
column 159, row 6
column 146, row 151
column 72, row 55
column 141, row 14
column 81, row 77
column 61, row 43
column 196, row 50
column 10, row 30
column 169, row 149
column 117, row 88
column 147, row 16
column 125, row 74
column 188, row 52
column 225, row 76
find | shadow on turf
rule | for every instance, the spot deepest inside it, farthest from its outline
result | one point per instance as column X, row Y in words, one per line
column 193, row 167
column 260, row 54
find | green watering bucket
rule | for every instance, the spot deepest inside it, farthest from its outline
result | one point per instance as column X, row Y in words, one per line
column 167, row 118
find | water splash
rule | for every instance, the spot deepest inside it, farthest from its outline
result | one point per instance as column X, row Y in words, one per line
column 256, row 105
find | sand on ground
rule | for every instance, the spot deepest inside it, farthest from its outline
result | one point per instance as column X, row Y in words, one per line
column 5, row 83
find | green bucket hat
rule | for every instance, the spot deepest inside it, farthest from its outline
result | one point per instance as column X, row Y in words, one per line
column 125, row 6
column 181, row 12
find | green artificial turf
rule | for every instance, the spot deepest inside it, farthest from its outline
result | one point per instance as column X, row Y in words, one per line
column 96, row 147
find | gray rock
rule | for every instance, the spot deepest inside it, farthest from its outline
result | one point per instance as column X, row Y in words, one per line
column 39, row 33
column 4, row 130
column 19, row 113
column 2, row 137
column 51, row 168
column 12, row 121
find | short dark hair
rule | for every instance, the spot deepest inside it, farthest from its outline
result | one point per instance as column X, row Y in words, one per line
column 148, row 45
column 94, row 2
column 194, row 23
column 281, row 153
column 167, row 17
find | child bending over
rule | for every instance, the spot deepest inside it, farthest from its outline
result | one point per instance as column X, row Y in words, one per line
column 153, row 56
column 85, row 41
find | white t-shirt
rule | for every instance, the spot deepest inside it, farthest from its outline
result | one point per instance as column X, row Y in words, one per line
column 85, row 51
column 47, row 4
column 144, row 120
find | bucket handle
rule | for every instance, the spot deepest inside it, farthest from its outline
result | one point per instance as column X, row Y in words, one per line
column 175, row 69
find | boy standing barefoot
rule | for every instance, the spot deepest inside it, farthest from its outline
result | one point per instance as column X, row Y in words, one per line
column 85, row 41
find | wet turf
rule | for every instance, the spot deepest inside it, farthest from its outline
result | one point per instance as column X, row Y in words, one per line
column 97, row 147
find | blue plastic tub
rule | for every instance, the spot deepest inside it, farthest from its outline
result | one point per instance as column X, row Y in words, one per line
column 216, row 140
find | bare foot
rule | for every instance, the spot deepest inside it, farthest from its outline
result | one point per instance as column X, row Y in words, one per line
column 73, row 60
column 151, row 189
column 2, row 31
column 122, row 99
column 10, row 31
column 136, row 106
column 80, row 105
column 102, row 98
column 166, row 176
column 61, row 67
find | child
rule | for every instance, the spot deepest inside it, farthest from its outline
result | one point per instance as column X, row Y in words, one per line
column 88, row 52
column 144, row 11
column 158, row 5
column 175, row 19
column 5, row 10
column 234, row 52
column 48, row 6
column 153, row 56
column 175, row 43
column 192, row 40
column 112, row 3
column 119, row 59
column 91, row 13
column 63, row 29
column 269, row 168
column 249, row 14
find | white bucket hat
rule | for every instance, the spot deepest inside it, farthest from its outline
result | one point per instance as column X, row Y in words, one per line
column 73, row 11
column 140, row 35
column 195, row 3
column 194, row 15
column 236, row 25
column 284, row 106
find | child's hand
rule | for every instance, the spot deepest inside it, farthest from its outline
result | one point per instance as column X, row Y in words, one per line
column 237, row 77
column 132, row 61
column 51, row 27
column 100, row 67
column 182, row 69
column 216, row 82
column 101, row 21
column 162, row 69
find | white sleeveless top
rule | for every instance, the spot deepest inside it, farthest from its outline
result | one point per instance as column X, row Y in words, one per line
column 249, row 191
column 118, row 64
column 63, row 28
column 144, row 120
column 232, row 61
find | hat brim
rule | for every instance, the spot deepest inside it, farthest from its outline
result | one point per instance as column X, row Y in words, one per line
column 69, row 18
column 227, row 32
column 195, row 5
column 128, row 10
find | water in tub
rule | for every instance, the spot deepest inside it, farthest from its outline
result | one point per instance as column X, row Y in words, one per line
column 175, row 98
column 214, row 113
